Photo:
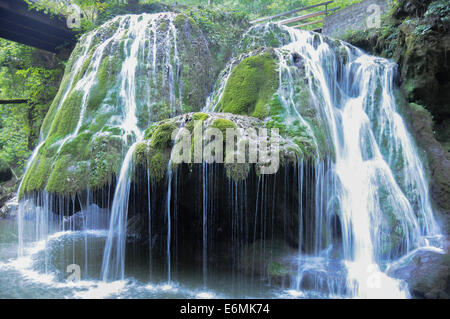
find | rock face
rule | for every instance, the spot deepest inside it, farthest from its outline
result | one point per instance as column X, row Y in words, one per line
column 8, row 198
column 427, row 273
column 98, row 112
column 9, row 208
column 439, row 161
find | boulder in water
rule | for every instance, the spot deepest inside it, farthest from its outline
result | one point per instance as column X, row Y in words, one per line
column 427, row 273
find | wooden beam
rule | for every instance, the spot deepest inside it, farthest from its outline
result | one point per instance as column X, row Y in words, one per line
column 290, row 12
column 309, row 23
column 307, row 16
column 33, row 28
column 14, row 101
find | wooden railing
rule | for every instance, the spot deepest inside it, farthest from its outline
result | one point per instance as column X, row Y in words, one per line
column 275, row 17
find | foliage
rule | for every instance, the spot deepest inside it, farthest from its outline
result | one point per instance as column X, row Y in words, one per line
column 28, row 73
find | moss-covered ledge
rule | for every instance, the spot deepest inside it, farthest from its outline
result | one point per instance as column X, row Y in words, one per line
column 154, row 152
column 87, row 161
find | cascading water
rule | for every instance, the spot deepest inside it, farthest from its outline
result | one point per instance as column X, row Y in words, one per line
column 140, row 43
column 355, row 200
column 376, row 174
column 374, row 155
column 114, row 254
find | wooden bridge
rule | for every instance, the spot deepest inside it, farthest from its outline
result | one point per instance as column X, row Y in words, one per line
column 302, row 18
column 33, row 28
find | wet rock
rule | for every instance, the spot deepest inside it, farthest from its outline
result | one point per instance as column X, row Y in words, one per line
column 438, row 160
column 10, row 208
column 427, row 273
column 8, row 198
column 268, row 259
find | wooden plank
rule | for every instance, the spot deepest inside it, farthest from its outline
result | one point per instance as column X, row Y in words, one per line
column 14, row 101
column 309, row 23
column 307, row 16
column 290, row 12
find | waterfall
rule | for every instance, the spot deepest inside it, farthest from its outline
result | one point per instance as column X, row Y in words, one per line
column 367, row 170
column 374, row 155
column 76, row 68
column 114, row 255
column 355, row 200
column 143, row 50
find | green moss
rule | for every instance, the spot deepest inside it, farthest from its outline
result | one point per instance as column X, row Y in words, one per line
column 222, row 125
column 196, row 75
column 420, row 109
column 250, row 86
column 158, row 166
column 276, row 269
column 163, row 26
column 68, row 115
column 161, row 136
column 196, row 118
column 157, row 152
column 106, row 159
column 194, row 127
column 180, row 22
column 237, row 171
column 291, row 129
column 68, row 177
column 140, row 154
column 52, row 111
column 98, row 93
column 36, row 177
column 114, row 130
column 200, row 116
column 78, row 146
